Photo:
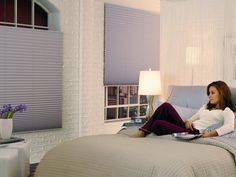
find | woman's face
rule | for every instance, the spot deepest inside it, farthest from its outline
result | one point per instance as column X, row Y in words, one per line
column 214, row 95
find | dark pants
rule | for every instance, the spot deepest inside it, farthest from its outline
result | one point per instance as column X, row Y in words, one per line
column 165, row 120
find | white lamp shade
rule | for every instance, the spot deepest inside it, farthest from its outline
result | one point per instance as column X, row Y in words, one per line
column 149, row 83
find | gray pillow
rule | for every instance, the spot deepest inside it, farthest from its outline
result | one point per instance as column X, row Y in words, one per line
column 230, row 135
column 184, row 112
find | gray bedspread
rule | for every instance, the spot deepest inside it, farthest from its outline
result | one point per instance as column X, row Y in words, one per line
column 122, row 156
column 227, row 143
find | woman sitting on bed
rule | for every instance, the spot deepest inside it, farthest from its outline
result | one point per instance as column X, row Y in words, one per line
column 219, row 110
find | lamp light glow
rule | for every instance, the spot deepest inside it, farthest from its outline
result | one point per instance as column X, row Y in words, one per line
column 150, row 85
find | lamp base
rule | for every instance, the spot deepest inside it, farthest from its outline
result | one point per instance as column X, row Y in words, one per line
column 150, row 109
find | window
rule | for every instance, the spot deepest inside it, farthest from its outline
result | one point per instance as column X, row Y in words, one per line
column 131, row 44
column 31, row 62
column 23, row 13
column 123, row 102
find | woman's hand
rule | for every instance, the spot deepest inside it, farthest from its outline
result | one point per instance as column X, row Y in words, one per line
column 209, row 134
column 189, row 125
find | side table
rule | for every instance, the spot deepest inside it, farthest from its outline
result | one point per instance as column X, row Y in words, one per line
column 132, row 124
column 129, row 128
column 8, row 162
column 14, row 159
column 136, row 121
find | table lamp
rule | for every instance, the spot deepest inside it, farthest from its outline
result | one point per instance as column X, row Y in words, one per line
column 149, row 85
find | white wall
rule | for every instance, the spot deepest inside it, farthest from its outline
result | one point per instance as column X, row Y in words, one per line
column 83, row 92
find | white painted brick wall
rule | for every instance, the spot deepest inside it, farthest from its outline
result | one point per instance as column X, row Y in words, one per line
column 83, row 92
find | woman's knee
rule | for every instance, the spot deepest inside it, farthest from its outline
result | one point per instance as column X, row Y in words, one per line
column 158, row 123
column 159, row 127
column 166, row 105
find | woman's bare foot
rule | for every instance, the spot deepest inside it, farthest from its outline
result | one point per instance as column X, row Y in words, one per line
column 138, row 134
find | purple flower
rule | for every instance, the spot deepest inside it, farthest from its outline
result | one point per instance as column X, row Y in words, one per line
column 7, row 108
column 20, row 108
column 7, row 111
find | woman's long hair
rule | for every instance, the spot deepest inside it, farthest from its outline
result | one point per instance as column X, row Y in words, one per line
column 225, row 95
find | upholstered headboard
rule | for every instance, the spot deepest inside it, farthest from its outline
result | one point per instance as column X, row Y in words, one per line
column 233, row 92
column 187, row 96
column 188, row 99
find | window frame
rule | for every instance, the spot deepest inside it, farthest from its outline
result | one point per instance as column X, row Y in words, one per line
column 117, row 105
column 32, row 25
column 24, row 41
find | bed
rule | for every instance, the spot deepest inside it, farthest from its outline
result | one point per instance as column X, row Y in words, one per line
column 119, row 155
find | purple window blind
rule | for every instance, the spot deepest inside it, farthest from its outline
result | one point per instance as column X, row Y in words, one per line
column 132, row 44
column 31, row 73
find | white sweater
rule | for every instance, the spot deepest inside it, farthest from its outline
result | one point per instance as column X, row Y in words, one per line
column 205, row 118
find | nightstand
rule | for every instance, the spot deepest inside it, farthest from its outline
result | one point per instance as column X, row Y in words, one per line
column 131, row 124
column 14, row 159
column 136, row 121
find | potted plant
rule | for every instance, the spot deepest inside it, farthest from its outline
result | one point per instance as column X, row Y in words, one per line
column 6, row 114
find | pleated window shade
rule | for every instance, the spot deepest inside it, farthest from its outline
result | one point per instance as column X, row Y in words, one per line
column 132, row 44
column 31, row 73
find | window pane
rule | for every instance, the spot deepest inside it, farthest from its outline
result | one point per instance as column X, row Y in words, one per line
column 123, row 95
column 7, row 11
column 111, row 113
column 24, row 12
column 123, row 101
column 143, row 110
column 133, row 94
column 40, row 16
column 143, row 99
column 112, row 95
column 133, row 111
column 123, row 112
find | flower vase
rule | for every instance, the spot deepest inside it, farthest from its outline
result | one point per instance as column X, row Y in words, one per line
column 6, row 126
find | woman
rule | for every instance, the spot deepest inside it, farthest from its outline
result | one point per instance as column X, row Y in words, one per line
column 219, row 110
